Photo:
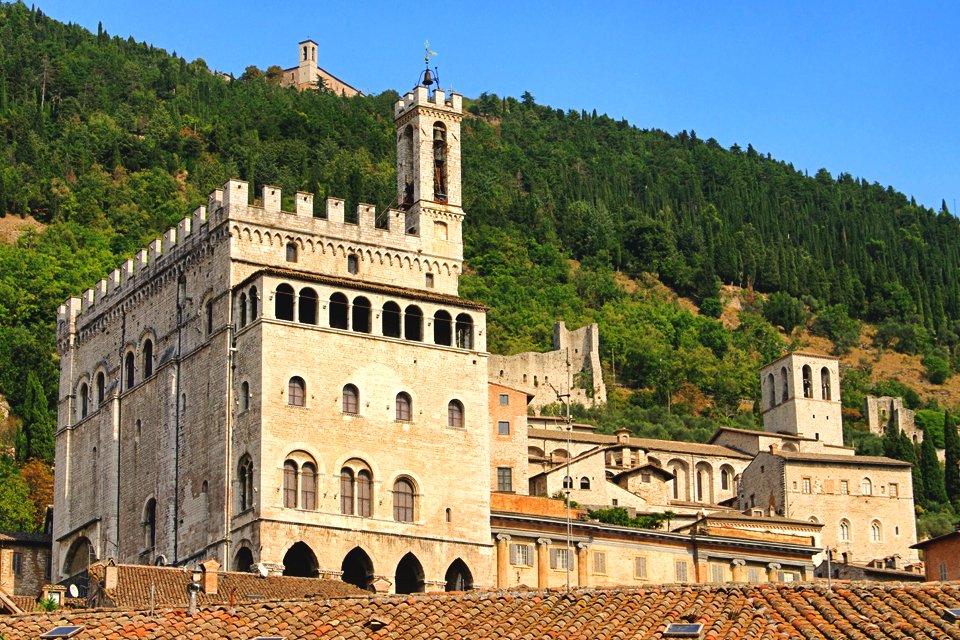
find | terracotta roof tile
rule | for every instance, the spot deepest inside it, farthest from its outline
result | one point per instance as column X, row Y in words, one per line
column 840, row 458
column 727, row 612
column 695, row 448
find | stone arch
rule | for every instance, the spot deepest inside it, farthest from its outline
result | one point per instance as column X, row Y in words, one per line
column 679, row 469
column 300, row 561
column 409, row 577
column 243, row 559
column 727, row 479
column 458, row 576
column 357, row 569
column 246, row 234
column 704, row 482
column 79, row 557
column 785, row 385
column 789, row 446
column 771, row 391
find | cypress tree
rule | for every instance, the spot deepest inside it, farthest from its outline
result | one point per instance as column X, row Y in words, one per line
column 933, row 490
column 951, row 472
column 37, row 425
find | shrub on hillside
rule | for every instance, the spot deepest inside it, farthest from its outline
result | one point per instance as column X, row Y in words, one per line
column 836, row 324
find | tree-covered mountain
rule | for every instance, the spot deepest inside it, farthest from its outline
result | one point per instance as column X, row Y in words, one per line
column 108, row 141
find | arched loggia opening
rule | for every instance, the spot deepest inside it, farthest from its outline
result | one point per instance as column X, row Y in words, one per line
column 357, row 569
column 243, row 560
column 79, row 557
column 458, row 576
column 409, row 578
column 301, row 562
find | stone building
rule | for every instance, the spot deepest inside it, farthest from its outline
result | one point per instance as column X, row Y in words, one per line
column 880, row 412
column 307, row 74
column 24, row 562
column 276, row 389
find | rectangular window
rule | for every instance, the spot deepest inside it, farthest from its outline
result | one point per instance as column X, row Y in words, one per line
column 894, row 490
column 559, row 559
column 717, row 573
column 364, row 494
column 599, row 562
column 645, row 478
column 504, row 399
column 640, row 567
column 681, row 570
column 429, row 281
column 844, row 487
column 753, row 575
column 807, row 485
column 503, row 428
column 353, row 264
column 209, row 317
column 521, row 555
column 943, row 572
column 17, row 563
column 504, row 479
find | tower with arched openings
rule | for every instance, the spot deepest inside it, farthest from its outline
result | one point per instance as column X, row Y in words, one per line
column 800, row 396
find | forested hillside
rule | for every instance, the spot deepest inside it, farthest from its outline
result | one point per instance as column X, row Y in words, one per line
column 107, row 142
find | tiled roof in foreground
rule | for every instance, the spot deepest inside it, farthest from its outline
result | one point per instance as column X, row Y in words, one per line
column 728, row 612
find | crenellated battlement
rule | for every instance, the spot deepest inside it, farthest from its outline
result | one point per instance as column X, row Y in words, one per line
column 421, row 97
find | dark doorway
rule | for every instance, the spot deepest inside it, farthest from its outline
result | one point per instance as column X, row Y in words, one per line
column 357, row 569
column 409, row 577
column 458, row 577
column 243, row 560
column 300, row 561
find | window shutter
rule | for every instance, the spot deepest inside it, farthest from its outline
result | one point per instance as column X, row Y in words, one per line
column 640, row 567
column 554, row 558
column 514, row 552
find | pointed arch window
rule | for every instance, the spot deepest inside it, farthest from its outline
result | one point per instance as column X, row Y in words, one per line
column 844, row 531
column 147, row 359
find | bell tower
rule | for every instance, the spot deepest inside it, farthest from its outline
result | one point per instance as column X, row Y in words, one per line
column 428, row 166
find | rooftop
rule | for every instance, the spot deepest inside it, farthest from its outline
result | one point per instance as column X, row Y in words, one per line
column 727, row 612
column 841, row 459
column 694, row 448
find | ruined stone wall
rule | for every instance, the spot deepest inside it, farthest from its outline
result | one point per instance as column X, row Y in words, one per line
column 884, row 410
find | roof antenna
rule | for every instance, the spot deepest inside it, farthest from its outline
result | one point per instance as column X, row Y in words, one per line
column 428, row 77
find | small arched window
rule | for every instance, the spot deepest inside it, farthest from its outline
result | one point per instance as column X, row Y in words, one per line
column 291, row 252
column 253, row 303
column 844, row 531
column 442, row 328
column 876, row 532
column 361, row 315
column 308, row 486
column 771, row 390
column 307, row 309
column 150, row 524
column 785, row 384
column 567, row 482
column 290, row 484
column 351, row 399
column 243, row 310
column 84, row 400
column 245, row 481
column 724, row 479
column 244, row 395
column 807, row 374
column 866, row 487
column 464, row 331
column 391, row 320
column 147, row 359
column 584, row 482
column 455, row 414
column 404, row 407
column 413, row 323
column 825, row 383
column 403, row 500
column 296, row 392
column 129, row 367
column 101, row 387
column 283, row 302
column 339, row 311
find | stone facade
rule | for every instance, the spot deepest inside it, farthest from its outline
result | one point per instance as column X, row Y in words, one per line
column 24, row 563
column 269, row 387
column 882, row 411
column 573, row 364
column 800, row 396
column 304, row 76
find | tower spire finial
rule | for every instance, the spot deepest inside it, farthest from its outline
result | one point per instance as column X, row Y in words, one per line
column 428, row 78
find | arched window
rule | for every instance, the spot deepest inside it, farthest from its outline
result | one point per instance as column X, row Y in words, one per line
column 844, row 531
column 84, row 400
column 147, row 359
column 464, row 331
column 403, row 500
column 771, row 390
column 807, row 381
column 308, row 486
column 346, row 491
column 244, row 396
column 307, row 310
column 101, row 387
column 150, row 524
column 291, row 252
column 785, row 384
column 296, row 392
column 825, row 383
column 406, row 162
column 243, row 310
column 253, row 303
column 338, row 311
column 245, row 480
column 351, row 399
column 442, row 328
column 404, row 407
column 567, row 482
column 866, row 487
column 290, row 484
column 284, row 302
column 361, row 315
column 876, row 532
column 391, row 320
column 439, row 162
column 128, row 365
column 413, row 323
column 455, row 414
column 724, row 479
column 584, row 482
column 364, row 493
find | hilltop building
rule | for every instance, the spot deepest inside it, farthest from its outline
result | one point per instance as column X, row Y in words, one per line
column 307, row 75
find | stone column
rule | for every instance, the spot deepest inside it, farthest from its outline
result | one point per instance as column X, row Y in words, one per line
column 503, row 560
column 543, row 562
column 739, row 570
column 773, row 572
column 582, row 563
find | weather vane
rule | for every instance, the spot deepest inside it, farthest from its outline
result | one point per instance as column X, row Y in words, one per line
column 428, row 78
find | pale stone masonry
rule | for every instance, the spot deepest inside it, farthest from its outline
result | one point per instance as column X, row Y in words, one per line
column 269, row 387
column 305, row 75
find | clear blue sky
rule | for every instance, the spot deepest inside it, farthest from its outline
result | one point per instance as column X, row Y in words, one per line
column 868, row 88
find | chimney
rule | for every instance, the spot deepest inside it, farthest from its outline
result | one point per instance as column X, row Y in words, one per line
column 111, row 576
column 208, row 581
